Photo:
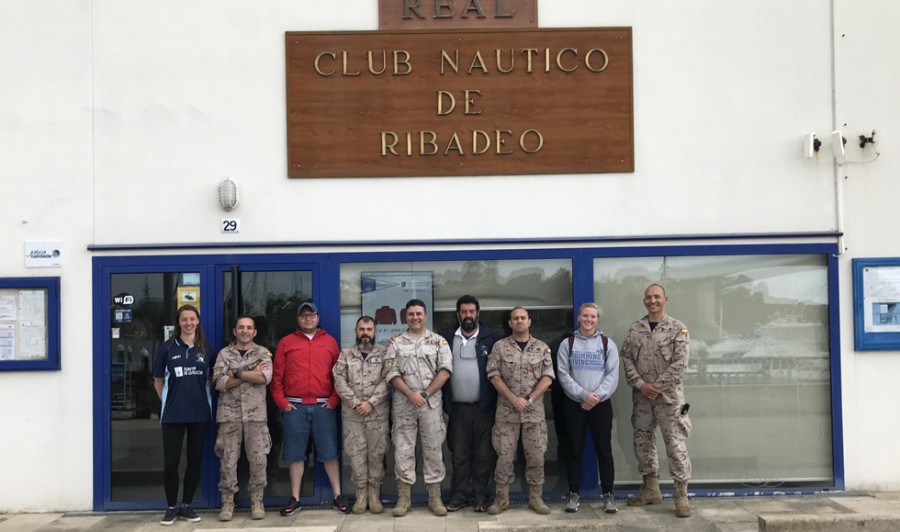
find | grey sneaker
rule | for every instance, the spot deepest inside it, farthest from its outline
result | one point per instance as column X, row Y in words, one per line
column 609, row 505
column 572, row 502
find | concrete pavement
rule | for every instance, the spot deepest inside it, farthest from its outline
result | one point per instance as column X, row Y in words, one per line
column 821, row 513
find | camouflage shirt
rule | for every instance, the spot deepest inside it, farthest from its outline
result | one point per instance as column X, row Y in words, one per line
column 246, row 402
column 520, row 370
column 357, row 379
column 658, row 357
column 418, row 362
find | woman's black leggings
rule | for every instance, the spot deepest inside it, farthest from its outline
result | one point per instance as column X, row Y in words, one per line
column 599, row 419
column 173, row 437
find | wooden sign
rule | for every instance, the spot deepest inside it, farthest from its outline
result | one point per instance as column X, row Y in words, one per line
column 366, row 104
column 453, row 14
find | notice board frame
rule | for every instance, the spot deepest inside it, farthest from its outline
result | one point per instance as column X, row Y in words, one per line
column 863, row 340
column 51, row 324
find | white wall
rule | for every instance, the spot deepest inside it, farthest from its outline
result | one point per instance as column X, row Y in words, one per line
column 866, row 99
column 47, row 185
column 118, row 118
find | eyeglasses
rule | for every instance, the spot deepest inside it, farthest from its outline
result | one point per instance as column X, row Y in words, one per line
column 308, row 316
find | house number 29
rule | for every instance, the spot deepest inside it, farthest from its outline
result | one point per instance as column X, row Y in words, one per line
column 230, row 225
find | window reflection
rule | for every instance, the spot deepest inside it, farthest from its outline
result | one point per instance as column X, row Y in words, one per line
column 759, row 373
column 543, row 286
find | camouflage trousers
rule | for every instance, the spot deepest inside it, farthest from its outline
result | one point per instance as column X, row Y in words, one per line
column 365, row 443
column 427, row 423
column 505, row 437
column 257, row 443
column 675, row 430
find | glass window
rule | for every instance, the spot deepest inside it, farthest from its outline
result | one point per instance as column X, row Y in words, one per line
column 758, row 379
column 543, row 286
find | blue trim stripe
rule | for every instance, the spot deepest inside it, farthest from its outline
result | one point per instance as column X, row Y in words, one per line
column 458, row 242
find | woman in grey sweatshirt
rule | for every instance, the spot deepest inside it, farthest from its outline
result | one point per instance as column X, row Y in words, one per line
column 588, row 364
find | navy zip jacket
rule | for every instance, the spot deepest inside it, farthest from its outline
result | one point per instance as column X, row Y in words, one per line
column 487, row 399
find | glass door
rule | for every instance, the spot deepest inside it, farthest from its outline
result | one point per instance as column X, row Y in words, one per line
column 142, row 309
column 272, row 298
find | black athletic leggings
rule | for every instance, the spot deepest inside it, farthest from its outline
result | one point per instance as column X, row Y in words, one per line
column 599, row 419
column 173, row 437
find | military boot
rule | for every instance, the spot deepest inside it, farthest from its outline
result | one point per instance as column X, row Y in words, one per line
column 257, row 510
column 501, row 501
column 362, row 498
column 375, row 498
column 682, row 507
column 402, row 499
column 435, row 504
column 535, row 502
column 650, row 493
column 227, row 511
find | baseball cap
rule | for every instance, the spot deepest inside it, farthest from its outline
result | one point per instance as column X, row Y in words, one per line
column 310, row 304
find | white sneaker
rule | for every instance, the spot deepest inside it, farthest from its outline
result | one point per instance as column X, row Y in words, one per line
column 609, row 505
column 573, row 501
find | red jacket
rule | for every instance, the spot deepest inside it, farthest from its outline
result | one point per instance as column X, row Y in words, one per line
column 302, row 368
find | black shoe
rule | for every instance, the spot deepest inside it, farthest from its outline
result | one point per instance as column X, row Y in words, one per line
column 341, row 504
column 187, row 513
column 170, row 517
column 456, row 503
column 293, row 506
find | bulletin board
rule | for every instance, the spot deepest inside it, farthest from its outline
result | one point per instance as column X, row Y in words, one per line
column 29, row 324
column 876, row 304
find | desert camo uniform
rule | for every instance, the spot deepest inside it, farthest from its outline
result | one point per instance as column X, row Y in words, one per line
column 520, row 370
column 358, row 379
column 659, row 357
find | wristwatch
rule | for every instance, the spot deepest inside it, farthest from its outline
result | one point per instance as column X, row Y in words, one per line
column 237, row 373
column 424, row 394
column 528, row 398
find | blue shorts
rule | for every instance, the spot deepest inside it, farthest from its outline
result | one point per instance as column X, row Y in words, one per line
column 298, row 424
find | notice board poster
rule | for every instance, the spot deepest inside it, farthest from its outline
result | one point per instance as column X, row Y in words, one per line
column 881, row 298
column 23, row 324
column 384, row 298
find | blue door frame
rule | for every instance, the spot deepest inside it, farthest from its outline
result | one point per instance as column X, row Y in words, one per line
column 326, row 282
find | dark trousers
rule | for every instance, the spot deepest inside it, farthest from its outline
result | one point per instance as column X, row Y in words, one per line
column 471, row 452
column 599, row 419
column 173, row 437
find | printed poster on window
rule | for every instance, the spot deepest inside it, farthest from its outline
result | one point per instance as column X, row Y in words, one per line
column 384, row 298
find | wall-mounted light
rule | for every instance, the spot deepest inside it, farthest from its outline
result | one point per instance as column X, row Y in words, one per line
column 228, row 194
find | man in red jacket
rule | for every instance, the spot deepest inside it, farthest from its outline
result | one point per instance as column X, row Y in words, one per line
column 303, row 388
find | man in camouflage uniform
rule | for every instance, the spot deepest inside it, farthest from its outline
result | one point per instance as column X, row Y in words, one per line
column 364, row 407
column 520, row 367
column 240, row 374
column 655, row 355
column 417, row 364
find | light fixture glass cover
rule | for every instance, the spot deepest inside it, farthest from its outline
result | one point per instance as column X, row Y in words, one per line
column 228, row 194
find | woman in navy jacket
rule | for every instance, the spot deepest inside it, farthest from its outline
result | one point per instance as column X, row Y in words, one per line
column 181, row 377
